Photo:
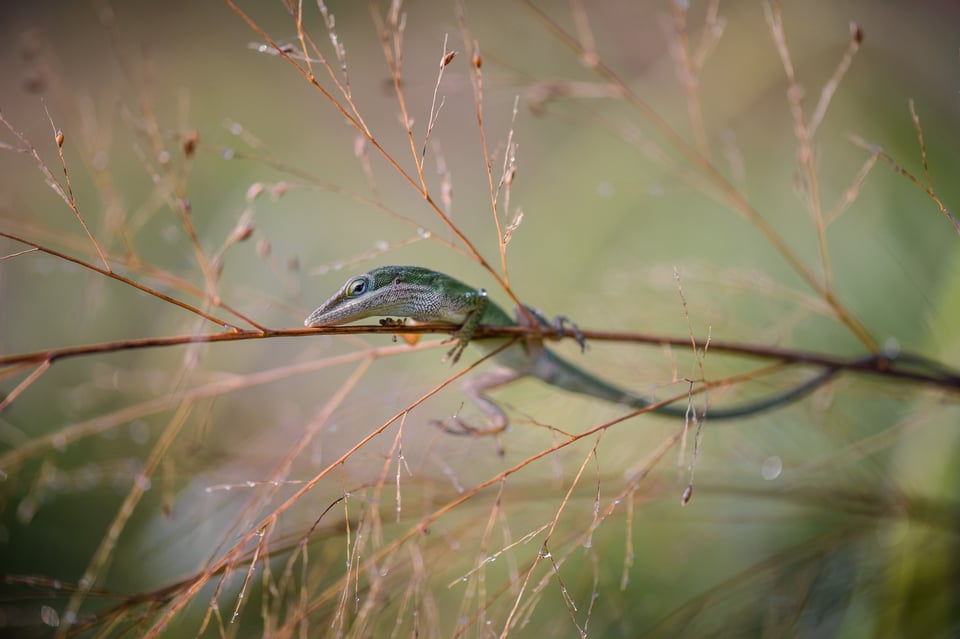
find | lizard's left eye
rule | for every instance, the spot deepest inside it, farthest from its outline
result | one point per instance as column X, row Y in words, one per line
column 357, row 287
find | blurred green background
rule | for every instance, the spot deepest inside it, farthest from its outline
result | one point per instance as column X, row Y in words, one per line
column 835, row 517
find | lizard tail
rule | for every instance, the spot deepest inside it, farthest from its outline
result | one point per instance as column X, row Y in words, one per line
column 557, row 371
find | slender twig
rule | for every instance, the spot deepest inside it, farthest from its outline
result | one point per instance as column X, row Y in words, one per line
column 401, row 172
column 65, row 194
column 878, row 151
column 24, row 384
column 727, row 191
column 923, row 145
column 100, row 559
column 905, row 366
column 809, row 181
column 688, row 75
column 830, row 88
column 121, row 278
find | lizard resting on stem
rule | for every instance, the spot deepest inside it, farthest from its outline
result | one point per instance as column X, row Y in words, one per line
column 425, row 295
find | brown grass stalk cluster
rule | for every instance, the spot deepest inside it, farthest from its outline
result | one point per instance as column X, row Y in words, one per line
column 334, row 552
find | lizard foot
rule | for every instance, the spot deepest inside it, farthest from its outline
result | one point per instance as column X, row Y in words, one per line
column 561, row 322
column 454, row 353
column 558, row 325
column 456, row 426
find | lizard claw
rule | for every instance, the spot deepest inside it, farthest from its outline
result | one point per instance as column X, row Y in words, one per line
column 562, row 322
column 558, row 325
column 457, row 350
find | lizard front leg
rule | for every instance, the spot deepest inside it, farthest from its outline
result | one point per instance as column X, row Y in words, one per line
column 477, row 302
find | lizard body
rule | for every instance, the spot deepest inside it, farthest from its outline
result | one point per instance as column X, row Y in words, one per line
column 425, row 295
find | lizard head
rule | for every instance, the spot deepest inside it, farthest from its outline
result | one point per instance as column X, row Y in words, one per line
column 384, row 291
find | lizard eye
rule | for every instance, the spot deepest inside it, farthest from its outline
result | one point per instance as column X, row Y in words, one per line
column 357, row 287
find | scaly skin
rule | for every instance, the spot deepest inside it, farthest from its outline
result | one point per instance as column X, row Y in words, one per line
column 425, row 295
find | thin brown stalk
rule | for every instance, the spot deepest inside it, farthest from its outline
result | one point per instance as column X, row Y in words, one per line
column 810, row 182
column 830, row 88
column 688, row 75
column 851, row 192
column 65, row 194
column 727, row 192
column 391, row 42
column 883, row 155
column 929, row 373
column 216, row 566
column 441, row 511
column 923, row 146
column 131, row 264
column 121, row 278
column 435, row 108
column 710, row 34
column 59, row 138
column 281, row 470
column 403, row 174
column 24, row 384
column 23, row 252
column 101, row 558
column 104, row 423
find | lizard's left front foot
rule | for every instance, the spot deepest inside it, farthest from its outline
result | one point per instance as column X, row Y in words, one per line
column 457, row 350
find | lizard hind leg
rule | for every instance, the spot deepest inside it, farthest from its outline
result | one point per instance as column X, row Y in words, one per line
column 475, row 388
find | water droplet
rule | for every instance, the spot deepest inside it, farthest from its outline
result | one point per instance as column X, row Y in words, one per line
column 891, row 347
column 771, row 468
column 49, row 616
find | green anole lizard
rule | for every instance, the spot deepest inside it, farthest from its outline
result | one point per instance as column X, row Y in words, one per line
column 424, row 295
